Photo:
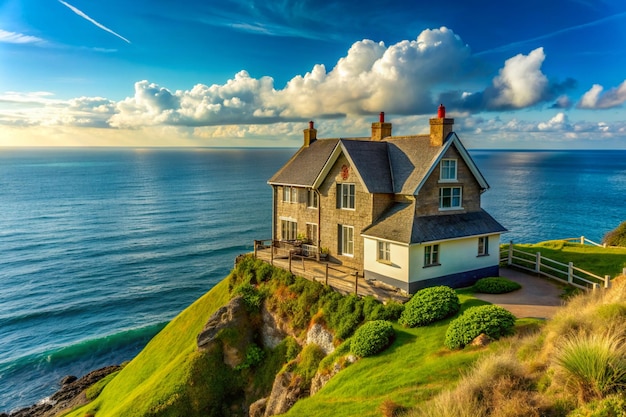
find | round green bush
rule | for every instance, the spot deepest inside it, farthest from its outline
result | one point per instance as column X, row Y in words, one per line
column 496, row 285
column 430, row 305
column 372, row 337
column 492, row 320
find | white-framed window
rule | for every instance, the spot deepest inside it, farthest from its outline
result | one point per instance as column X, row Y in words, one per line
column 483, row 246
column 290, row 194
column 431, row 255
column 384, row 251
column 450, row 197
column 312, row 199
column 311, row 233
column 346, row 240
column 288, row 229
column 447, row 170
column 346, row 196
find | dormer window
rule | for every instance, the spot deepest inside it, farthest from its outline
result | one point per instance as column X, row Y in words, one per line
column 447, row 170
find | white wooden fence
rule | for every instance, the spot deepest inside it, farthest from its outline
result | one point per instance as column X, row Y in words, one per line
column 541, row 265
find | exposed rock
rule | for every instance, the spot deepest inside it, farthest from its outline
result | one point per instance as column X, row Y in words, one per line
column 257, row 408
column 287, row 389
column 69, row 396
column 271, row 333
column 322, row 337
column 68, row 379
column 481, row 340
column 321, row 378
column 233, row 316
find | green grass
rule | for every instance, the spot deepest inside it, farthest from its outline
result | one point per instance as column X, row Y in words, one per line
column 600, row 261
column 160, row 372
column 411, row 370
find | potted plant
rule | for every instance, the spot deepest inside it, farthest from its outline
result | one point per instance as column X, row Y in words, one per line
column 324, row 253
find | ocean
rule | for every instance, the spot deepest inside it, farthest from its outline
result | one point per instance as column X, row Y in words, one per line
column 100, row 248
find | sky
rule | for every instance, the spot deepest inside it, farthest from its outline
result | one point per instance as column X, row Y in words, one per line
column 547, row 74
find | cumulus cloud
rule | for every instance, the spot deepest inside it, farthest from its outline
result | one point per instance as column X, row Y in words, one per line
column 519, row 84
column 596, row 99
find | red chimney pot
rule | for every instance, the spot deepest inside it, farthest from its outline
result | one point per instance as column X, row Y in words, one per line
column 311, row 124
column 441, row 112
column 381, row 117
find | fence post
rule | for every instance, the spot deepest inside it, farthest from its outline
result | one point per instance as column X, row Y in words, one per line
column 607, row 281
column 255, row 243
column 624, row 272
column 570, row 272
column 326, row 274
column 290, row 262
column 595, row 286
column 582, row 240
column 538, row 263
column 510, row 260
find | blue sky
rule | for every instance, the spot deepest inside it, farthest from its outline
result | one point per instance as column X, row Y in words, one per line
column 526, row 75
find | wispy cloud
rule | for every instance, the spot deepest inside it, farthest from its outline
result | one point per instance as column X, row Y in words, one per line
column 100, row 25
column 551, row 34
column 19, row 38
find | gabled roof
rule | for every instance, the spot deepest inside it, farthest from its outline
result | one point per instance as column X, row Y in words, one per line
column 369, row 160
column 399, row 224
column 399, row 165
column 305, row 165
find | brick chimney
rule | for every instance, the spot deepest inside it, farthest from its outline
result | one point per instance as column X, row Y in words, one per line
column 381, row 129
column 310, row 135
column 440, row 127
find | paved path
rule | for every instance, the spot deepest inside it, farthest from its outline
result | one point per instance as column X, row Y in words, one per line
column 538, row 297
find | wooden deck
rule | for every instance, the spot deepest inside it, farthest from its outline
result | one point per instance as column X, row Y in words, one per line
column 342, row 279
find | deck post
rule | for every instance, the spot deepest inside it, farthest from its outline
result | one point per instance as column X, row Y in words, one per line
column 607, row 281
column 290, row 253
column 303, row 269
column 570, row 272
column 327, row 274
column 272, row 253
column 510, row 259
column 356, row 283
column 538, row 263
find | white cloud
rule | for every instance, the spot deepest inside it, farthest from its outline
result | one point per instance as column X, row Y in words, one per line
column 596, row 99
column 521, row 82
column 19, row 38
column 558, row 123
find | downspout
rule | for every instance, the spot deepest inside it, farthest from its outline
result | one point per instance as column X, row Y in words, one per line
column 273, row 215
column 319, row 224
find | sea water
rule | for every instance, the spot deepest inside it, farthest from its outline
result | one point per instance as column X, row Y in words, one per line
column 100, row 248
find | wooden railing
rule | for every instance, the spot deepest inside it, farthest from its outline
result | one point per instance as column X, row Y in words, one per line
column 541, row 265
column 582, row 240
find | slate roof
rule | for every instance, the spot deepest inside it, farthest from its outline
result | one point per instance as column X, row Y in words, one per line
column 400, row 225
column 305, row 165
column 411, row 158
column 371, row 162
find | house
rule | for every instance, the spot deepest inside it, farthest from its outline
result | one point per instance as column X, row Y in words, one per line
column 404, row 210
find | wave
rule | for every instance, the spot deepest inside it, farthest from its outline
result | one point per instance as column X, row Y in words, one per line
column 85, row 349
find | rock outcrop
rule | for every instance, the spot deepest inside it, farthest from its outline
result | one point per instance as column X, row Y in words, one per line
column 287, row 389
column 231, row 325
column 319, row 335
column 69, row 396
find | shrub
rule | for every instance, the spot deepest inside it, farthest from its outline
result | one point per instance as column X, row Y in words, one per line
column 492, row 320
column 372, row 337
column 594, row 364
column 496, row 285
column 251, row 296
column 254, row 356
column 393, row 310
column 430, row 305
column 308, row 362
column 616, row 237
